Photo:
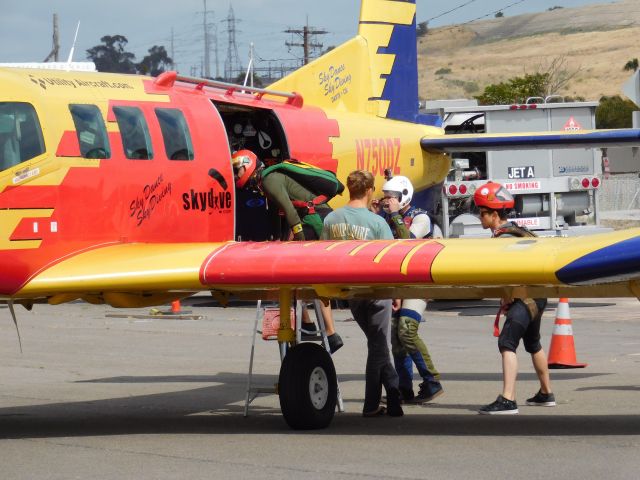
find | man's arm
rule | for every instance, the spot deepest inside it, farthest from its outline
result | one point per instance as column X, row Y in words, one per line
column 398, row 227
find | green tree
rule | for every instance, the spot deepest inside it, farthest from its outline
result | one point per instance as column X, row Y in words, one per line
column 614, row 112
column 631, row 65
column 514, row 90
column 257, row 81
column 156, row 62
column 111, row 56
column 422, row 29
column 551, row 78
column 499, row 15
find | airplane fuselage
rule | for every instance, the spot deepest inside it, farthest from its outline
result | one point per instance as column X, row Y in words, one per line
column 90, row 182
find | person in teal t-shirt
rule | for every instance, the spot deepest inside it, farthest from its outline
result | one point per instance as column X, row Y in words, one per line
column 356, row 222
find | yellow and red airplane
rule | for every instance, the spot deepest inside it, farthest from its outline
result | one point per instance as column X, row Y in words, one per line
column 119, row 189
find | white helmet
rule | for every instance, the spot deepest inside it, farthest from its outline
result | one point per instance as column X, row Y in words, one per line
column 400, row 186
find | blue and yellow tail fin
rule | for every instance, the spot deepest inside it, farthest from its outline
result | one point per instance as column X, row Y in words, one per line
column 375, row 72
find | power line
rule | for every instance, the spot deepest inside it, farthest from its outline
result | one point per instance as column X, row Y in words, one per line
column 452, row 10
column 493, row 13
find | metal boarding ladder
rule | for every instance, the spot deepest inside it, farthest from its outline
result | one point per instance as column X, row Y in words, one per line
column 252, row 391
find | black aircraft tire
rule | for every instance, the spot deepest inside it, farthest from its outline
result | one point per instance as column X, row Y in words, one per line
column 307, row 387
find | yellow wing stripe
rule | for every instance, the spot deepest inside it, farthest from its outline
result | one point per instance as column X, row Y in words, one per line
column 384, row 251
column 405, row 263
column 357, row 249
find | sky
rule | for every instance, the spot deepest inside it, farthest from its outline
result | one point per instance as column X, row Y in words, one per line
column 26, row 25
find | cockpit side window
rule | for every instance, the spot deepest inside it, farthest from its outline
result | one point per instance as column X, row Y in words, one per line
column 20, row 134
column 92, row 134
column 175, row 133
column 136, row 140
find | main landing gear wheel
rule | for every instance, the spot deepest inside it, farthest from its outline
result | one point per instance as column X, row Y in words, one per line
column 307, row 387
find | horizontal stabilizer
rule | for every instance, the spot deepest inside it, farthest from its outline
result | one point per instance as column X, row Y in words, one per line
column 629, row 137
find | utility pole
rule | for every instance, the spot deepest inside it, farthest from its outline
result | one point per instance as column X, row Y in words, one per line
column 307, row 33
column 56, row 41
column 207, row 72
column 210, row 43
column 215, row 42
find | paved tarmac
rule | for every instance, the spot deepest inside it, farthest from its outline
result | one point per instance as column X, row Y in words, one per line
column 100, row 397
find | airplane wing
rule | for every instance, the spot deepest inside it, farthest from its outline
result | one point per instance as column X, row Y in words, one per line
column 629, row 137
column 604, row 265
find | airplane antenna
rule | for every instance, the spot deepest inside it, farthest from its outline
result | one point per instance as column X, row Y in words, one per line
column 15, row 322
column 249, row 67
column 73, row 46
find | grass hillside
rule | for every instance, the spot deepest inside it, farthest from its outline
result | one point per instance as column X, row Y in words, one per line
column 596, row 41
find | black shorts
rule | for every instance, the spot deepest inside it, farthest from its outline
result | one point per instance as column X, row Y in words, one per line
column 520, row 325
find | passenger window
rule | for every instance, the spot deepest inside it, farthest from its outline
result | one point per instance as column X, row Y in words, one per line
column 92, row 134
column 175, row 133
column 20, row 134
column 134, row 132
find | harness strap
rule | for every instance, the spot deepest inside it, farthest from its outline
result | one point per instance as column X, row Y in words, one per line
column 532, row 306
column 311, row 204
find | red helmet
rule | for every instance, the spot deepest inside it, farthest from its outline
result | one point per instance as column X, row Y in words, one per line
column 494, row 196
column 246, row 159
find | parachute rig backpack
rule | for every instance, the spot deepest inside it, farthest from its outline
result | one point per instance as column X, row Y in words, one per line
column 322, row 183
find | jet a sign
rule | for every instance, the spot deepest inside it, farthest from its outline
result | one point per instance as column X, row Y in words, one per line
column 521, row 172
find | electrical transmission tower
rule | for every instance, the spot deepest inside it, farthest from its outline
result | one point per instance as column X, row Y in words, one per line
column 232, row 65
column 307, row 34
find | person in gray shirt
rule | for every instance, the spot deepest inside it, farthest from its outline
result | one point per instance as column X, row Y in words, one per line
column 356, row 222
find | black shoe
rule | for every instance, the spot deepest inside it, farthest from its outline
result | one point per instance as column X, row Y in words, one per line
column 428, row 391
column 393, row 404
column 335, row 342
column 308, row 330
column 542, row 400
column 501, row 406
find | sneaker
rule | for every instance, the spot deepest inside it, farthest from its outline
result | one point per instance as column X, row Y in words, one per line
column 542, row 400
column 428, row 391
column 335, row 342
column 501, row 406
column 406, row 395
column 308, row 330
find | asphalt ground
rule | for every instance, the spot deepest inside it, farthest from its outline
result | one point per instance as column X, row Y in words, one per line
column 102, row 397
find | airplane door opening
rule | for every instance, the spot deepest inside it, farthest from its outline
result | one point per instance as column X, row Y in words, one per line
column 260, row 131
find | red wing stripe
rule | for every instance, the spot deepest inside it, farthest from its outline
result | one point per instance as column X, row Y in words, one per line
column 296, row 263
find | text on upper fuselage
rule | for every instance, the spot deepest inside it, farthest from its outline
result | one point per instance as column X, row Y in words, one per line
column 45, row 82
column 378, row 154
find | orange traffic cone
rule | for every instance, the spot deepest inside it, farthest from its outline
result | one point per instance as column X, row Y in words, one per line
column 175, row 306
column 562, row 353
